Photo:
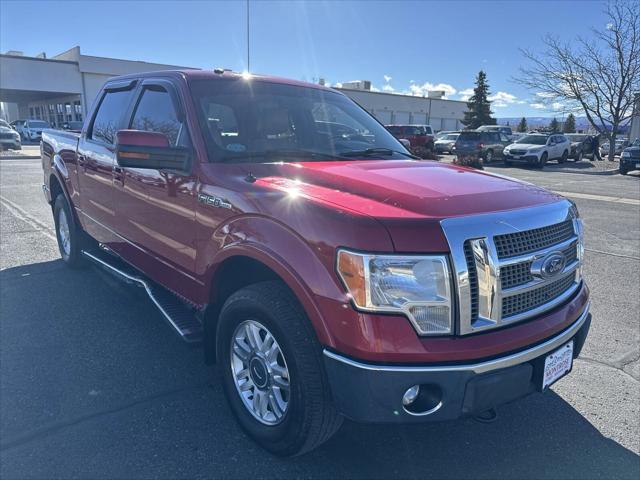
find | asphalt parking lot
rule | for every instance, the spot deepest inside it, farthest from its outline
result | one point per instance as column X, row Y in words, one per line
column 95, row 385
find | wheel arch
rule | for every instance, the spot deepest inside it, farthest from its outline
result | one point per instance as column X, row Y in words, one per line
column 239, row 268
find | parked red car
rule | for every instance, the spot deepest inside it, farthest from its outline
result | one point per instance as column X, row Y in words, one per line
column 327, row 272
column 420, row 136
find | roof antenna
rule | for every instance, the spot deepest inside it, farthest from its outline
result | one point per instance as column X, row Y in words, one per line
column 248, row 44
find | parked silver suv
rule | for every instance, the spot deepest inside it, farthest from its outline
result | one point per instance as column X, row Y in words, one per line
column 537, row 149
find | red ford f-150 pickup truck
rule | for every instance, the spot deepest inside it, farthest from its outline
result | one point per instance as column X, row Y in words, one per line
column 328, row 272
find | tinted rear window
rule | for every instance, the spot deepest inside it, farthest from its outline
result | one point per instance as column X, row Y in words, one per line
column 467, row 136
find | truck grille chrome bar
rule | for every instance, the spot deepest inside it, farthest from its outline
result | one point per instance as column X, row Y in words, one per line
column 511, row 266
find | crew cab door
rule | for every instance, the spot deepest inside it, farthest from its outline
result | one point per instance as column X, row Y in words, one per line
column 96, row 160
column 156, row 208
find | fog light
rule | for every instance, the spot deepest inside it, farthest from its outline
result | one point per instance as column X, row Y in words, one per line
column 410, row 395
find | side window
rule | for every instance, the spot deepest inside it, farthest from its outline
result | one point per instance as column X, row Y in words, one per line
column 504, row 138
column 494, row 137
column 155, row 113
column 107, row 120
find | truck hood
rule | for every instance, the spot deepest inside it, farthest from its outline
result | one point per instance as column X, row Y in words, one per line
column 402, row 189
column 524, row 146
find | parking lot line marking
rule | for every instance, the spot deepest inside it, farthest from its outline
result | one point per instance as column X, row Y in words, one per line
column 29, row 219
column 602, row 198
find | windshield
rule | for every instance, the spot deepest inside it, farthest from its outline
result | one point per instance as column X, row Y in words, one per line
column 38, row 124
column 452, row 136
column 252, row 121
column 533, row 140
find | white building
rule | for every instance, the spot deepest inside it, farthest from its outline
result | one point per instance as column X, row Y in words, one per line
column 391, row 108
column 61, row 88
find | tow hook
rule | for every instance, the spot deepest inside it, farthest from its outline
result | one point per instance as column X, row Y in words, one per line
column 488, row 416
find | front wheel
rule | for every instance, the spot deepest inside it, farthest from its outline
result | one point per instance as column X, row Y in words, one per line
column 272, row 370
column 542, row 161
column 488, row 157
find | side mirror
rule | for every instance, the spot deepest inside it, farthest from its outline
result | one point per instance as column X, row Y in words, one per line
column 141, row 149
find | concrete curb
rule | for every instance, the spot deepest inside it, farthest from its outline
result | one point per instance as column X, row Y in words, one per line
column 19, row 157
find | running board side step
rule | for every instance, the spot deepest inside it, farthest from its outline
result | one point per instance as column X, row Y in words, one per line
column 182, row 318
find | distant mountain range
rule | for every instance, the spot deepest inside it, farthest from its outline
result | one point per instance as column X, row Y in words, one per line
column 581, row 122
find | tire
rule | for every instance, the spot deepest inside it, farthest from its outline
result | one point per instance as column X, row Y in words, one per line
column 564, row 157
column 488, row 156
column 68, row 234
column 543, row 159
column 579, row 157
column 623, row 171
column 305, row 416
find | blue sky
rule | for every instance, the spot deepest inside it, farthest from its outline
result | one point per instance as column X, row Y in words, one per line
column 401, row 45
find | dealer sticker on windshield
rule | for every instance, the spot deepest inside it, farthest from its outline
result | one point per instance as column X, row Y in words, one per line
column 557, row 364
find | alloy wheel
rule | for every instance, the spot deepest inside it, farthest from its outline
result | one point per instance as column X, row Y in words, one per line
column 63, row 233
column 260, row 372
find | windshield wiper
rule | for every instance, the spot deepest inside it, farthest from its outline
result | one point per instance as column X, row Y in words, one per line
column 283, row 153
column 372, row 152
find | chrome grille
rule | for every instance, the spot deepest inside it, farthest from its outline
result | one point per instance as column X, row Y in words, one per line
column 473, row 279
column 520, row 273
column 531, row 299
column 519, row 243
column 498, row 262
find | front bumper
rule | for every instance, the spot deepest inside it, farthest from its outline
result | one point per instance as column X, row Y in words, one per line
column 521, row 159
column 373, row 393
column 12, row 143
column 629, row 163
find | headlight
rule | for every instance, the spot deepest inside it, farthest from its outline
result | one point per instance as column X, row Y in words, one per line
column 626, row 154
column 537, row 149
column 416, row 286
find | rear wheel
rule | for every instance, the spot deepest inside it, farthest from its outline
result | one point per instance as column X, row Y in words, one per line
column 564, row 157
column 68, row 234
column 272, row 370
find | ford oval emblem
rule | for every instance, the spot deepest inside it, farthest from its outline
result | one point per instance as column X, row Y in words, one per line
column 549, row 266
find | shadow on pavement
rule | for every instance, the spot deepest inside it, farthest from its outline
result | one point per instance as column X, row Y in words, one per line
column 94, row 384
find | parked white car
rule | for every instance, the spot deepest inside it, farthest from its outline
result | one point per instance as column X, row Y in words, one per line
column 9, row 138
column 32, row 129
column 538, row 149
column 446, row 143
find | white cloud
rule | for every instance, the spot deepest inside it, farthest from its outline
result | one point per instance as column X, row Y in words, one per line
column 422, row 90
column 502, row 99
column 388, row 88
column 374, row 89
column 465, row 94
column 387, row 78
column 557, row 106
column 545, row 95
column 538, row 106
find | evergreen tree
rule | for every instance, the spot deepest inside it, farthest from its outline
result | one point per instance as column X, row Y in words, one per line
column 569, row 124
column 554, row 126
column 522, row 126
column 479, row 107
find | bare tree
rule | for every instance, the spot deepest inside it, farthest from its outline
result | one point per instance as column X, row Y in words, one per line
column 597, row 75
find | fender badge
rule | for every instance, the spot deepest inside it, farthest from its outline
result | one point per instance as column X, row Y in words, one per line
column 213, row 201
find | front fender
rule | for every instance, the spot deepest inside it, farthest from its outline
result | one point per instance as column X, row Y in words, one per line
column 306, row 269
